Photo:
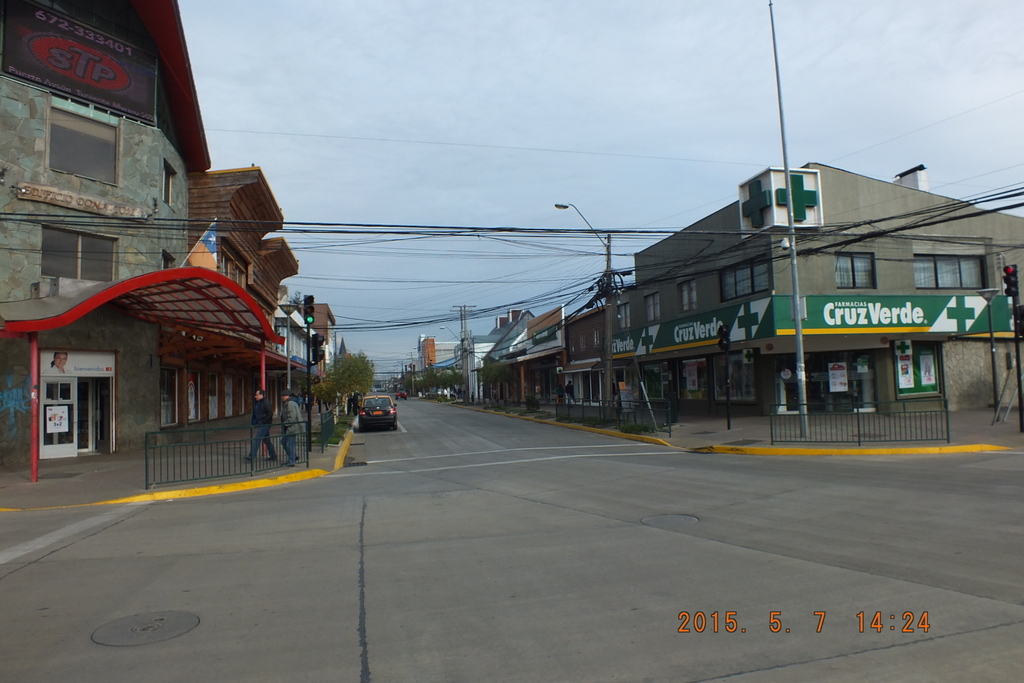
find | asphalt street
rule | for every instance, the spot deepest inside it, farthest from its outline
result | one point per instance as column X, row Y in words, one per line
column 476, row 547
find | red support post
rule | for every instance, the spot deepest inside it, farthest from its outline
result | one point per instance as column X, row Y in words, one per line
column 33, row 344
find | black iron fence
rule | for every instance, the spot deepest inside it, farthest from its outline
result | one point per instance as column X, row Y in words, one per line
column 659, row 413
column 182, row 455
column 922, row 420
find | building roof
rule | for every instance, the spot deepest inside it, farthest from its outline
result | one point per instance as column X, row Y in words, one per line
column 163, row 21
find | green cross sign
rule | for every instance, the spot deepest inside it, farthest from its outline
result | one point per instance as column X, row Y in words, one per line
column 961, row 313
column 748, row 356
column 803, row 199
column 754, row 207
column 903, row 347
column 748, row 323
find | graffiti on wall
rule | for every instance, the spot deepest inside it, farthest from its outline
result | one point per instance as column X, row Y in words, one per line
column 14, row 400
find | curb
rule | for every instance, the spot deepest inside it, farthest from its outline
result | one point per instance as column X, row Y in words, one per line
column 929, row 450
column 249, row 485
column 594, row 430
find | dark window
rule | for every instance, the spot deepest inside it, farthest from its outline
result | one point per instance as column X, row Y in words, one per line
column 744, row 280
column 78, row 256
column 83, row 146
column 948, row 272
column 170, row 182
column 855, row 271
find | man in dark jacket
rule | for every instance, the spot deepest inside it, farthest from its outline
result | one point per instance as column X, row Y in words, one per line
column 262, row 419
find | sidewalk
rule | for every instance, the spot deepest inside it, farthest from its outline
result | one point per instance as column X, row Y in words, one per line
column 99, row 479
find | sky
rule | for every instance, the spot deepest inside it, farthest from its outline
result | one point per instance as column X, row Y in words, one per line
column 644, row 114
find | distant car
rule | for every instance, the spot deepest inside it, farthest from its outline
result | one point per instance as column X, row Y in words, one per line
column 378, row 410
column 401, row 393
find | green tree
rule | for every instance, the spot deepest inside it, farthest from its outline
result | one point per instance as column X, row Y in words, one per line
column 493, row 374
column 346, row 376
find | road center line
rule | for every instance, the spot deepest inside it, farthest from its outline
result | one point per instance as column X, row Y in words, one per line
column 60, row 534
column 502, row 450
column 344, row 473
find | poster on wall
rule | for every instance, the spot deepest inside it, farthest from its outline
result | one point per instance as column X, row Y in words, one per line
column 838, row 380
column 904, row 364
column 691, row 376
column 58, row 419
column 927, row 365
column 193, row 396
column 59, row 362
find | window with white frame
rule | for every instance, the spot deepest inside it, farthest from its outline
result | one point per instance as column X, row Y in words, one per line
column 652, row 305
column 77, row 255
column 948, row 272
column 855, row 271
column 623, row 311
column 688, row 295
column 83, row 146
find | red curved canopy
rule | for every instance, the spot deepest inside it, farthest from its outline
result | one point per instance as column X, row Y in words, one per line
column 195, row 297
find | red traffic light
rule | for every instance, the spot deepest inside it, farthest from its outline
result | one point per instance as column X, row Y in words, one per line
column 1010, row 281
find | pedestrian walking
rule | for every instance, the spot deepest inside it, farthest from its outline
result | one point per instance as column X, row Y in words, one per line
column 570, row 391
column 559, row 395
column 291, row 424
column 262, row 419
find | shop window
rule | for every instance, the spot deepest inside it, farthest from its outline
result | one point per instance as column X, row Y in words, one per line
column 77, row 255
column 744, row 280
column 652, row 304
column 741, row 377
column 623, row 311
column 83, row 146
column 168, row 397
column 213, row 383
column 688, row 295
column 948, row 272
column 695, row 379
column 855, row 271
column 917, row 367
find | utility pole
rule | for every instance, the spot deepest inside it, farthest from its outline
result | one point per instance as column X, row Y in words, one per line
column 464, row 319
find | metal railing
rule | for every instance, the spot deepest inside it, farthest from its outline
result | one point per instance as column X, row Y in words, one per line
column 182, row 455
column 659, row 412
column 326, row 429
column 920, row 420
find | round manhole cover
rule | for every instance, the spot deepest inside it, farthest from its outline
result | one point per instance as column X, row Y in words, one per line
column 670, row 522
column 143, row 629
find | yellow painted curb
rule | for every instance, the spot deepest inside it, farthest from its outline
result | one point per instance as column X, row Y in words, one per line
column 339, row 459
column 741, row 450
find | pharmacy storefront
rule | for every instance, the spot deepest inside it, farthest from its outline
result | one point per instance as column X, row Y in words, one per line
column 858, row 351
column 76, row 406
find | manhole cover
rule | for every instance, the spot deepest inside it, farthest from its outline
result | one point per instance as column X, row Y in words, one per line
column 670, row 522
column 144, row 629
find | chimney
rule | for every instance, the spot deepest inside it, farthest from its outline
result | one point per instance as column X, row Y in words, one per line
column 915, row 178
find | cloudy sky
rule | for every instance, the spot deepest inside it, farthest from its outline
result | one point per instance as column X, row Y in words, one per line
column 643, row 113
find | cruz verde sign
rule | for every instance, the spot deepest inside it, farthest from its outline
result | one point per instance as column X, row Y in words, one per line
column 769, row 317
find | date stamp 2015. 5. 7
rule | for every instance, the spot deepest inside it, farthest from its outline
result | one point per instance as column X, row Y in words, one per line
column 730, row 622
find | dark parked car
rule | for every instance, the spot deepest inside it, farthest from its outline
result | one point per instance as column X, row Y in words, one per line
column 378, row 410
column 401, row 393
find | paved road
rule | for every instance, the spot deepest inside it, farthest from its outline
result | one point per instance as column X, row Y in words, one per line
column 475, row 547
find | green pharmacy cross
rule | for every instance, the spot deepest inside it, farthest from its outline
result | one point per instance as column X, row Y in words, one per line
column 803, row 199
column 754, row 207
column 903, row 347
column 961, row 313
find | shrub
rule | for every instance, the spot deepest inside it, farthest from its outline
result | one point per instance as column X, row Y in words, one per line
column 532, row 404
column 637, row 429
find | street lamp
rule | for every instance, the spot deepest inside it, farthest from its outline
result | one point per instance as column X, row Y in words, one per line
column 606, row 350
column 990, row 294
column 289, row 311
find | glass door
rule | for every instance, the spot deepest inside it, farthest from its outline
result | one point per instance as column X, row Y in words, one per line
column 59, row 424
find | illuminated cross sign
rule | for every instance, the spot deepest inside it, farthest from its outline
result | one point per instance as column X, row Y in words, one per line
column 763, row 199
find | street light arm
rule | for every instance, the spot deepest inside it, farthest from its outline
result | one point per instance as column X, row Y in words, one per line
column 566, row 206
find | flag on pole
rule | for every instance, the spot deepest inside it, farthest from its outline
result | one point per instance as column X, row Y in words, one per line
column 204, row 253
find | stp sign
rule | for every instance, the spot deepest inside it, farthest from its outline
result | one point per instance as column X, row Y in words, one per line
column 79, row 62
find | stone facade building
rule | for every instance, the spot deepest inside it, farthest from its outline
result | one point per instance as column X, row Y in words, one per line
column 107, row 329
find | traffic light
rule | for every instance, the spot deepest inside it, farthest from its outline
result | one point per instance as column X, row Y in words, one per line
column 316, row 348
column 723, row 337
column 1012, row 288
column 308, row 310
